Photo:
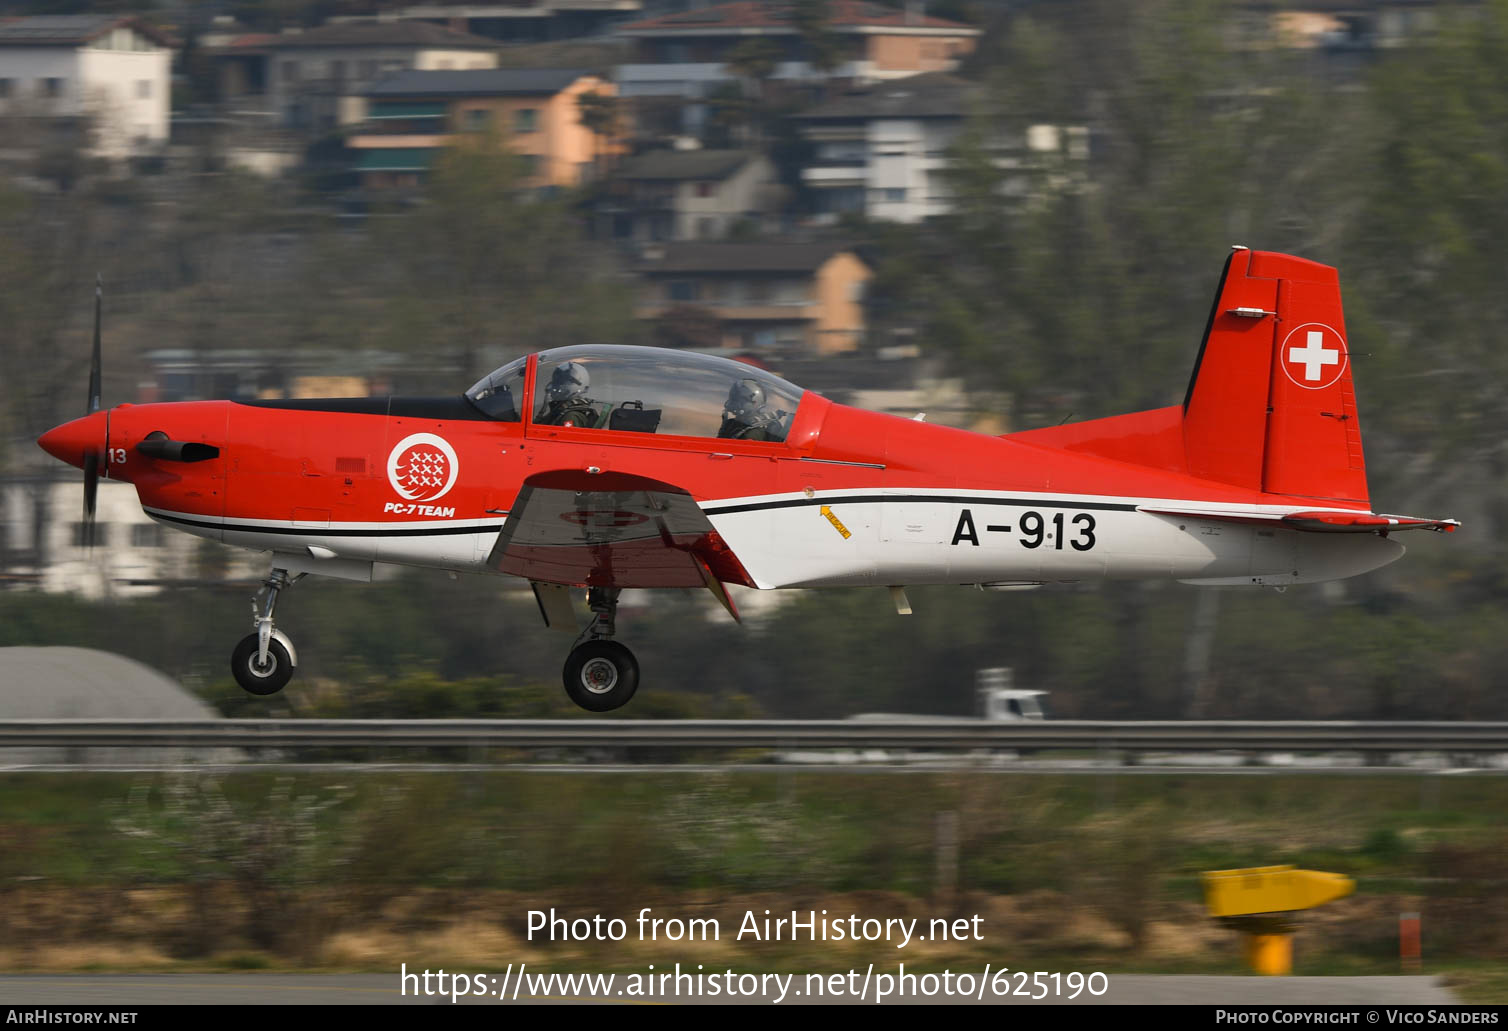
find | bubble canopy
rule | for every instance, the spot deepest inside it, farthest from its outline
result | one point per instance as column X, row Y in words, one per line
column 644, row 390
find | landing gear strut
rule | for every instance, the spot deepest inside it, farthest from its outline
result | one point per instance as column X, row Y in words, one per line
column 601, row 674
column 263, row 661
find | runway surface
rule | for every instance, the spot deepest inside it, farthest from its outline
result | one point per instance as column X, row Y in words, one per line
column 378, row 989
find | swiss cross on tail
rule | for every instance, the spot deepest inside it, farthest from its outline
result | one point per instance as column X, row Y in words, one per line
column 1314, row 356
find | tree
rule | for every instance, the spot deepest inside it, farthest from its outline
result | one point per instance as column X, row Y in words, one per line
column 1077, row 285
column 688, row 326
column 44, row 295
column 599, row 115
column 813, row 20
column 488, row 269
column 1430, row 242
column 754, row 61
column 732, row 117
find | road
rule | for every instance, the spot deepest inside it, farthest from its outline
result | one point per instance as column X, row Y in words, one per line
column 1048, row 766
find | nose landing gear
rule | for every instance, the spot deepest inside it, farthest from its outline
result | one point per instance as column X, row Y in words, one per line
column 601, row 674
column 263, row 661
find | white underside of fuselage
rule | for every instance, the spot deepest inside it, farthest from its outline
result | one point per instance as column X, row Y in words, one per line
column 886, row 536
column 960, row 537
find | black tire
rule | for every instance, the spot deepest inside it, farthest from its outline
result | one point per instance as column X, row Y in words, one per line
column 257, row 680
column 601, row 675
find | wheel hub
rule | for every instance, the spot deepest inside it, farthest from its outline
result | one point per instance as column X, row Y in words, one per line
column 599, row 676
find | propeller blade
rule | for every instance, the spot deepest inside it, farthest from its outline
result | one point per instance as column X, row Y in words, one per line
column 91, row 492
column 94, row 362
column 92, row 457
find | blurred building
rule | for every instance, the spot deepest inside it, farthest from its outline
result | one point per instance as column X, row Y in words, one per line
column 687, row 54
column 664, row 195
column 103, row 78
column 44, row 545
column 315, row 78
column 535, row 112
column 240, row 63
column 880, row 151
column 884, row 151
column 766, row 298
column 186, row 374
column 1337, row 25
column 520, row 21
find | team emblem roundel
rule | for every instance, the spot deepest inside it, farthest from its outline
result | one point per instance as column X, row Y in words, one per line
column 1314, row 356
column 422, row 467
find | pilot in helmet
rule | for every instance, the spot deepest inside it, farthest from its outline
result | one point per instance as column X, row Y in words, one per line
column 745, row 414
column 566, row 403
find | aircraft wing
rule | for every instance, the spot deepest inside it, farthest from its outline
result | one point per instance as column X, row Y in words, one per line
column 613, row 530
column 1315, row 522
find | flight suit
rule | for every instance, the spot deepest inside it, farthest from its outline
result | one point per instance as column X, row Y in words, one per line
column 573, row 411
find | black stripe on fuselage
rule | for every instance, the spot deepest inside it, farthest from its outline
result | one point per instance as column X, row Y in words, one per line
column 325, row 531
column 454, row 409
column 863, row 499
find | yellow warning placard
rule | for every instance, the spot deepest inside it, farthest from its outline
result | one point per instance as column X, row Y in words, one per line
column 831, row 517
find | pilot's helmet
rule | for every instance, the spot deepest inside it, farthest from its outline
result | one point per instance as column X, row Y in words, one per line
column 745, row 399
column 567, row 381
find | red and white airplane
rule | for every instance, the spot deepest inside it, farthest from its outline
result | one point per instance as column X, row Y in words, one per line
column 608, row 467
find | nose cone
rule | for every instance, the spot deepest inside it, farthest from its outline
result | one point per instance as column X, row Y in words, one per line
column 72, row 440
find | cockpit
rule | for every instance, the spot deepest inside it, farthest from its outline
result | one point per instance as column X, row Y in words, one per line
column 641, row 390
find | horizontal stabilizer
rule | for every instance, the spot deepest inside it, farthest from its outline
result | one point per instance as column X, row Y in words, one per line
column 1364, row 522
column 1314, row 522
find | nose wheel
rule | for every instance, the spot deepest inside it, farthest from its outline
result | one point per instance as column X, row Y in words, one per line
column 601, row 674
column 263, row 661
column 256, row 674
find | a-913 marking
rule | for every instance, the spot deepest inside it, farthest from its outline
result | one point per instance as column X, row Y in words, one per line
column 1034, row 532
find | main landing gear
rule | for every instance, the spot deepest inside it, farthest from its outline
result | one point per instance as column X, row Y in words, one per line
column 601, row 674
column 264, row 659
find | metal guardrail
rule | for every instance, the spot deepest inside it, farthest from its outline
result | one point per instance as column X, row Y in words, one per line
column 1123, row 737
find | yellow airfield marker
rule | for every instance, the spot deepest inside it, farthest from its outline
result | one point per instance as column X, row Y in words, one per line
column 1263, row 902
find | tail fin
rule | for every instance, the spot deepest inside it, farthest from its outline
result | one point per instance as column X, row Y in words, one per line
column 1270, row 405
